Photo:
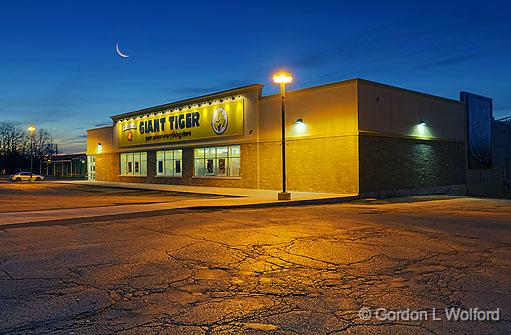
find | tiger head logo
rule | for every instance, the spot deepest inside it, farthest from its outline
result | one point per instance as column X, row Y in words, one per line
column 219, row 120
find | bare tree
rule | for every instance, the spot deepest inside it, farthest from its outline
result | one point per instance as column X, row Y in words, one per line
column 12, row 138
column 16, row 149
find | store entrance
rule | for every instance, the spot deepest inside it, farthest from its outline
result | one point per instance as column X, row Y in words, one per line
column 91, row 167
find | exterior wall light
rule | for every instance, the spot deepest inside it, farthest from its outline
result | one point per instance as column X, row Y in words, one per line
column 99, row 148
column 299, row 121
column 421, row 129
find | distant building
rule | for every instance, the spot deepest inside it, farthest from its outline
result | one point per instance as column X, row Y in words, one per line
column 65, row 165
column 496, row 180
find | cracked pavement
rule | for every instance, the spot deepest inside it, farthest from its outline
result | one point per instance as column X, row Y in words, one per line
column 287, row 270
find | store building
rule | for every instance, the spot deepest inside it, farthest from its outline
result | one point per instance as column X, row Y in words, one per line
column 350, row 137
column 64, row 165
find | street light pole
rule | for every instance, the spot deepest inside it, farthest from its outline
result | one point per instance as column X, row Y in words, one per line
column 31, row 131
column 283, row 79
column 31, row 154
column 283, row 109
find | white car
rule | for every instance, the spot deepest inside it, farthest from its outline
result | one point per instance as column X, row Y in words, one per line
column 27, row 176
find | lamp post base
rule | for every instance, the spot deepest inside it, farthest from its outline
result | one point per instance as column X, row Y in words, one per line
column 284, row 196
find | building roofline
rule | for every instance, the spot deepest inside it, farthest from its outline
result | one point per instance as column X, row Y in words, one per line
column 252, row 87
column 312, row 88
column 428, row 95
column 476, row 95
column 365, row 81
column 102, row 127
column 201, row 98
column 69, row 154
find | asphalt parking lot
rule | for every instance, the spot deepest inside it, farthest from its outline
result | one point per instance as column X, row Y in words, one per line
column 25, row 196
column 282, row 270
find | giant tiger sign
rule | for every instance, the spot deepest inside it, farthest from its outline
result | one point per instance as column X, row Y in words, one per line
column 224, row 119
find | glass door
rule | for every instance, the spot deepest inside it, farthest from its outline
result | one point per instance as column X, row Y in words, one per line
column 91, row 167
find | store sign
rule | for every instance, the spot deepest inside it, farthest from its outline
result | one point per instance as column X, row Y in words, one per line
column 219, row 120
column 479, row 135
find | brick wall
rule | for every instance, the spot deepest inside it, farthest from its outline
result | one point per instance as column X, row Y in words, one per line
column 319, row 165
column 316, row 165
column 397, row 163
column 107, row 167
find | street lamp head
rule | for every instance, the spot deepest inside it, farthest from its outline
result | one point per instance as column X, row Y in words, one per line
column 282, row 78
column 31, row 129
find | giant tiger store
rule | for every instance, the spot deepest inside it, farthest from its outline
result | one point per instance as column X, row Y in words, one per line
column 350, row 137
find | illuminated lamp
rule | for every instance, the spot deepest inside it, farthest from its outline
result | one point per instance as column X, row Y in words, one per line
column 282, row 78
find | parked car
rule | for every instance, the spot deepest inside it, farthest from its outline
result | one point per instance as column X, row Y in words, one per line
column 27, row 176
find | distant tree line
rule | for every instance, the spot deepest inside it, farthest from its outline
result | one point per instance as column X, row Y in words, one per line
column 17, row 146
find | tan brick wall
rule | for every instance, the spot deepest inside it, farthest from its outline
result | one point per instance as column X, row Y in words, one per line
column 107, row 167
column 316, row 165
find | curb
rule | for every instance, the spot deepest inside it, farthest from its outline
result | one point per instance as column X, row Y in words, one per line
column 124, row 216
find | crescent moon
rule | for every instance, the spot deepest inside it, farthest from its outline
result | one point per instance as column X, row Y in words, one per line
column 119, row 52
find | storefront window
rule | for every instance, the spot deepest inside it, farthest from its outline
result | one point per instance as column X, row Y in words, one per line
column 168, row 163
column 134, row 163
column 217, row 161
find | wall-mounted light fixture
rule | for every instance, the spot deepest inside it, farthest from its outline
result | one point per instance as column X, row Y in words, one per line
column 299, row 121
column 99, row 148
column 422, row 122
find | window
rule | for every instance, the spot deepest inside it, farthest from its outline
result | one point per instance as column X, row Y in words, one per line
column 217, row 161
column 168, row 163
column 134, row 163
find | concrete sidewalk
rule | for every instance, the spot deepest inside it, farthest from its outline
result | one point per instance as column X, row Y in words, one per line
column 267, row 195
column 229, row 197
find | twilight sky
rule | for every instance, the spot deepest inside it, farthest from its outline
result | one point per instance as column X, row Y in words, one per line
column 59, row 69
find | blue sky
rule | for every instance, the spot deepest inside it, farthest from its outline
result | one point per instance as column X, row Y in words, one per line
column 59, row 69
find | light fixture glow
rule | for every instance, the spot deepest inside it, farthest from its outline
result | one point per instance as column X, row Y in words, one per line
column 99, row 148
column 31, row 129
column 282, row 78
column 299, row 121
column 422, row 123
